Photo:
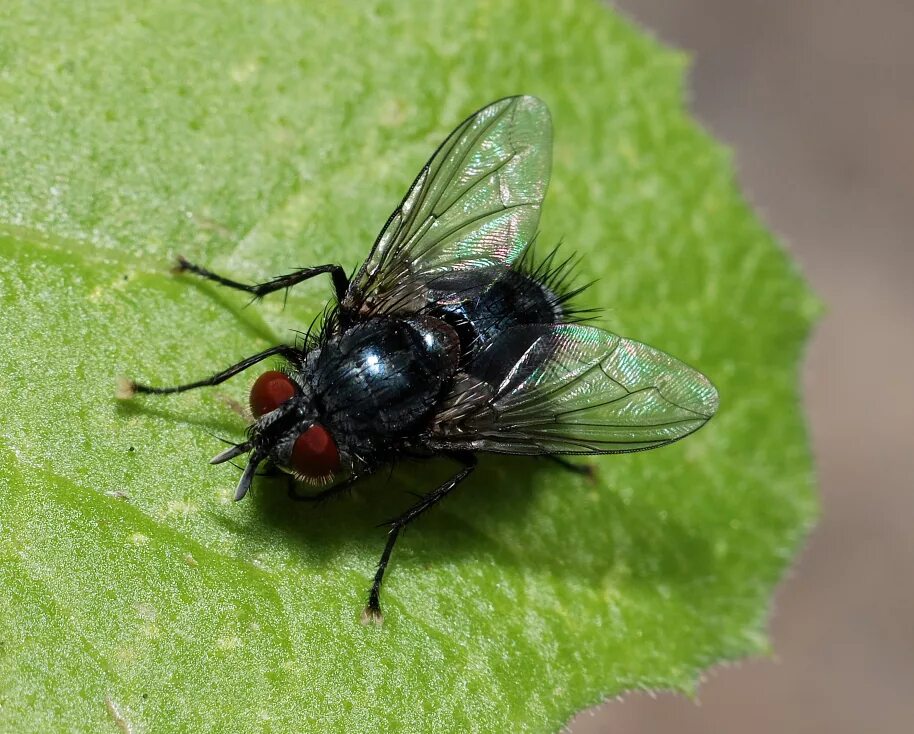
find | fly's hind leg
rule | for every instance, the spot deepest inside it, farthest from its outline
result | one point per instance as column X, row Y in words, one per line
column 372, row 612
column 259, row 290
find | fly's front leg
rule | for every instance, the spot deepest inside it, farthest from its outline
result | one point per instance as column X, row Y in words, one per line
column 259, row 290
column 372, row 612
column 126, row 388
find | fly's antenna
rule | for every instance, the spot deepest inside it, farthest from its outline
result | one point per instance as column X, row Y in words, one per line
column 247, row 476
column 231, row 452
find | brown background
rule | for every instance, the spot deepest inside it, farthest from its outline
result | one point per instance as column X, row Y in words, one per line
column 817, row 99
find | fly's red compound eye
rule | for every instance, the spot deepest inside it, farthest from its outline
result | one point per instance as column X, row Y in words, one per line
column 314, row 453
column 269, row 391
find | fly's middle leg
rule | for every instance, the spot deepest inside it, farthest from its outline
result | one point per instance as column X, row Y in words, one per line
column 372, row 613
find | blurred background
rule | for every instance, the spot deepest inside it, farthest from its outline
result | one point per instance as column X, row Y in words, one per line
column 816, row 98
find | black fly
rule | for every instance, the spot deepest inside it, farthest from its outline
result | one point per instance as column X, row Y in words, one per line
column 447, row 341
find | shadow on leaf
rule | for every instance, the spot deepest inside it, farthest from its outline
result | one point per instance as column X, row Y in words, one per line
column 505, row 513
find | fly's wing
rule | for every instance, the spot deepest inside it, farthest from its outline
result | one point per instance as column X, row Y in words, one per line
column 475, row 204
column 572, row 389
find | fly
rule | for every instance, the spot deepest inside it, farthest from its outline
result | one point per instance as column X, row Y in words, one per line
column 448, row 341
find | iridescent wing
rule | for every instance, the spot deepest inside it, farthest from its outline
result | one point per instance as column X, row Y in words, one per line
column 475, row 204
column 572, row 389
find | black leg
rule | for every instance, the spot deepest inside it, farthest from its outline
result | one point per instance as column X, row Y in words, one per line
column 340, row 281
column 128, row 388
column 372, row 611
column 585, row 470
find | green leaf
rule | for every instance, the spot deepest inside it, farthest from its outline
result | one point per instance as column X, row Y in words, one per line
column 257, row 137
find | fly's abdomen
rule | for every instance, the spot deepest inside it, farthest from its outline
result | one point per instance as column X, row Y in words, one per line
column 479, row 310
column 383, row 377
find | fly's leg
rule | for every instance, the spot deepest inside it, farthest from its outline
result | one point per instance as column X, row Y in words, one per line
column 259, row 290
column 372, row 612
column 126, row 389
column 584, row 470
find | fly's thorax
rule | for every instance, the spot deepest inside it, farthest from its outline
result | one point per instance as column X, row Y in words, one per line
column 379, row 380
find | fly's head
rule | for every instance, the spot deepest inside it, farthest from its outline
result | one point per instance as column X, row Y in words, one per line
column 287, row 432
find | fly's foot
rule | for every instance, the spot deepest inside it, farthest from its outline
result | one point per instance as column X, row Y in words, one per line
column 124, row 388
column 371, row 615
column 181, row 265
